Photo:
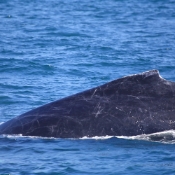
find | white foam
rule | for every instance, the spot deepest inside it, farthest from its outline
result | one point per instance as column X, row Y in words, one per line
column 20, row 136
column 162, row 137
column 97, row 137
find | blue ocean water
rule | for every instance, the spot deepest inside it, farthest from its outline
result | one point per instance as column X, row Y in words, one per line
column 52, row 49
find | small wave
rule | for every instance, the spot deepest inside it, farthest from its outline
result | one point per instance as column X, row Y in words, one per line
column 163, row 137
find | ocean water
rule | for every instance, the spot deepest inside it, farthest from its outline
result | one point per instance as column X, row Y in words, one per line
column 50, row 49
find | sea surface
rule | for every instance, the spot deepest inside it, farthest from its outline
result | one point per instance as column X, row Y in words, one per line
column 51, row 49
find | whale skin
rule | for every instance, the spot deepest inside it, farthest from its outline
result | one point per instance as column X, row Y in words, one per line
column 137, row 104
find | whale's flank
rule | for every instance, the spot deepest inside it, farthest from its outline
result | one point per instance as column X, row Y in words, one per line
column 138, row 104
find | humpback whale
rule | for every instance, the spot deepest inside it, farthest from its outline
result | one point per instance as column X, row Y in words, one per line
column 143, row 103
